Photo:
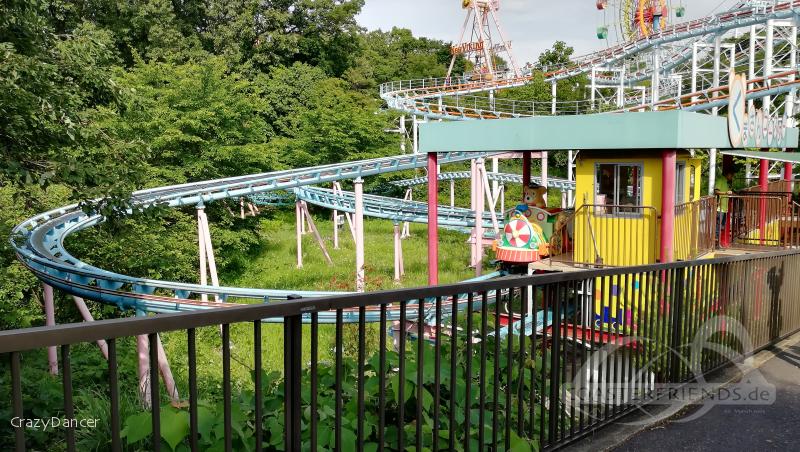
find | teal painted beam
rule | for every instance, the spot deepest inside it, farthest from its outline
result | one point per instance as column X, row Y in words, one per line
column 672, row 129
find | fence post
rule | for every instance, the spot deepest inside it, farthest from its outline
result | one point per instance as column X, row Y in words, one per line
column 292, row 340
column 676, row 309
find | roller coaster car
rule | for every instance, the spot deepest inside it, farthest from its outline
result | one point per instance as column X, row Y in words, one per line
column 522, row 242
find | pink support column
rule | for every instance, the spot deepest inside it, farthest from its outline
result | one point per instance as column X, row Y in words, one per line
column 166, row 372
column 433, row 219
column 50, row 320
column 87, row 317
column 479, row 209
column 763, row 184
column 787, row 174
column 668, row 162
column 143, row 352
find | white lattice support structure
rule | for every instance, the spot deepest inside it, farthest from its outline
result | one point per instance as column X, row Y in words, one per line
column 490, row 197
column 479, row 209
column 473, row 194
column 545, row 162
column 312, row 226
column 207, row 259
column 399, row 270
column 780, row 56
column 604, row 93
column 406, row 232
column 337, row 190
column 298, row 212
column 358, row 190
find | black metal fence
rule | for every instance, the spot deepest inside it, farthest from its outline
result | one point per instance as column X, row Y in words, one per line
column 513, row 362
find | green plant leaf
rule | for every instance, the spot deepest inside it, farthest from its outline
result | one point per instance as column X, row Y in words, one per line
column 174, row 426
column 137, row 427
column 519, row 444
column 205, row 422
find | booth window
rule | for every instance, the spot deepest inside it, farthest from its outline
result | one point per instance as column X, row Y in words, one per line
column 619, row 187
column 680, row 183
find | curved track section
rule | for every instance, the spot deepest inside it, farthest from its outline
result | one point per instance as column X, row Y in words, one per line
column 40, row 241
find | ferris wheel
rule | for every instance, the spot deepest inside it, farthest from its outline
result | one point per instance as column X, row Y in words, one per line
column 626, row 20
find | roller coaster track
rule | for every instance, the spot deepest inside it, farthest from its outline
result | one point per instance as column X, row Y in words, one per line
column 39, row 242
column 448, row 98
column 552, row 182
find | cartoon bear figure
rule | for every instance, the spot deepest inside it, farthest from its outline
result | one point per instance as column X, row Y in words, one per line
column 535, row 196
column 561, row 242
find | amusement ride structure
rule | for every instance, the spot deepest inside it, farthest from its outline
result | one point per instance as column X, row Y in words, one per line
column 658, row 64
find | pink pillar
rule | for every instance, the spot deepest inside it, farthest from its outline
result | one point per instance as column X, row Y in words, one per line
column 50, row 320
column 763, row 183
column 433, row 219
column 668, row 162
column 787, row 174
column 87, row 317
column 526, row 171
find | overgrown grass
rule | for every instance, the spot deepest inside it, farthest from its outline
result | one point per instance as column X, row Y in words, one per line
column 275, row 267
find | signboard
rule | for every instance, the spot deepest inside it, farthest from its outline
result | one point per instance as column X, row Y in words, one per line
column 467, row 47
column 752, row 128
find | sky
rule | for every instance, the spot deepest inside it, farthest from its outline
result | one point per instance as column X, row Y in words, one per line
column 531, row 25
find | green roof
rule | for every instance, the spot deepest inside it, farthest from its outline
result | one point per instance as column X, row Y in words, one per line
column 672, row 129
column 787, row 157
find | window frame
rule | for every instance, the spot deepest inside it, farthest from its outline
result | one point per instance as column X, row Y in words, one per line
column 680, row 182
column 616, row 211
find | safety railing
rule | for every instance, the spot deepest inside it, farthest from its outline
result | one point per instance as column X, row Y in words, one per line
column 489, row 365
column 695, row 228
column 757, row 219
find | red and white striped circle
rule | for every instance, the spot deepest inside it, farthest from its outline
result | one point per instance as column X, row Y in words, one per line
column 518, row 233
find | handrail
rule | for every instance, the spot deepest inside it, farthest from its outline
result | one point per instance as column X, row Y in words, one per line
column 72, row 333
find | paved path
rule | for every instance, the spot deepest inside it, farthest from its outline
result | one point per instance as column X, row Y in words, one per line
column 736, row 427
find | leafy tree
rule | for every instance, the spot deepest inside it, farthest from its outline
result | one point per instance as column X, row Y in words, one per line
column 265, row 34
column 195, row 121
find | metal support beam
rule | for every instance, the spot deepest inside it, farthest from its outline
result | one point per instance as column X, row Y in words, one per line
column 298, row 212
column 399, row 271
column 358, row 189
column 433, row 220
